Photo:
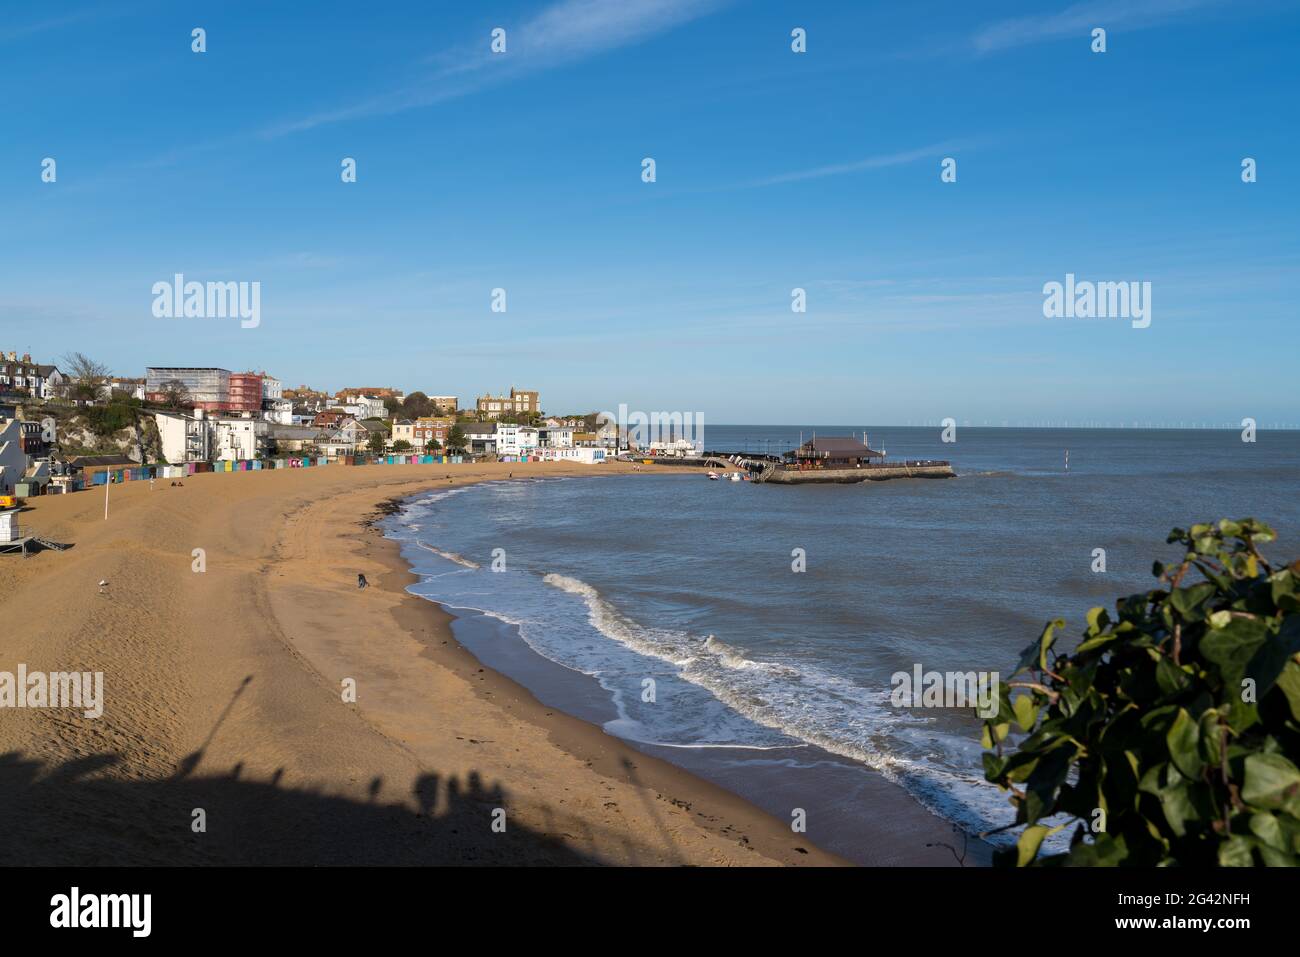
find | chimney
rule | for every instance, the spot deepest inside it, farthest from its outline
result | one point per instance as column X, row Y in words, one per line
column 27, row 357
column 11, row 356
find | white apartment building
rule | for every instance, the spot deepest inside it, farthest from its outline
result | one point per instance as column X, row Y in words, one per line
column 403, row 430
column 583, row 456
column 558, row 437
column 199, row 438
column 361, row 407
column 236, row 439
column 185, row 438
column 278, row 411
column 516, row 439
column 13, row 460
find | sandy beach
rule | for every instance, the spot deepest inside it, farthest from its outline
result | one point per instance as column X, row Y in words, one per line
column 224, row 702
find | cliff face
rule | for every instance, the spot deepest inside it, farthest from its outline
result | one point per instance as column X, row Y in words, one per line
column 92, row 433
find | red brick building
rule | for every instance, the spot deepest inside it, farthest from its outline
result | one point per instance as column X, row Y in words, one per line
column 245, row 392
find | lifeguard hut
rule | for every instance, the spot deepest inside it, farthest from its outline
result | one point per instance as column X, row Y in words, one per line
column 13, row 537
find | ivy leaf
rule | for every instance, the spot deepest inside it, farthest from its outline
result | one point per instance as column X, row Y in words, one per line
column 1026, row 712
column 1265, row 827
column 1183, row 738
column 1177, row 803
column 1031, row 838
column 1289, row 682
column 1188, row 601
column 1106, row 850
column 1233, row 646
column 1272, row 782
column 1273, row 655
column 1036, row 654
column 1236, row 852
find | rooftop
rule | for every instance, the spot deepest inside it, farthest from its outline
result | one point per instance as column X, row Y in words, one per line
column 836, row 446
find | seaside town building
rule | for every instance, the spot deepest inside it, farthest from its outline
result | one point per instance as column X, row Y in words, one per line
column 289, row 439
column 184, row 438
column 132, row 387
column 519, row 402
column 237, row 416
column 13, row 460
column 22, row 376
column 330, row 418
column 239, row 439
column 203, row 438
column 431, row 428
column 582, row 456
column 557, row 436
column 402, row 430
column 245, row 393
column 88, row 465
column 351, row 433
column 348, row 395
column 516, row 439
column 206, row 388
column 304, row 397
column 278, row 411
column 24, row 469
column 333, row 445
column 480, row 437
column 359, row 406
column 832, row 452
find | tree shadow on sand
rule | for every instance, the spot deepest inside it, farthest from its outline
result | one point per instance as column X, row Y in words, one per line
column 81, row 813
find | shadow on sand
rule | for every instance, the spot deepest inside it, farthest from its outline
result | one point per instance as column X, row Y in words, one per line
column 76, row 814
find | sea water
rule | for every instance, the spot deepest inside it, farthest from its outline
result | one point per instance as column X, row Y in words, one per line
column 678, row 597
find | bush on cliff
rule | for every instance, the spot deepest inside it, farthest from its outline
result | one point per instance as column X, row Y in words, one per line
column 1171, row 735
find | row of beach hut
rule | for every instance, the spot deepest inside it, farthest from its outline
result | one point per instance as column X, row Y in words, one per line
column 137, row 473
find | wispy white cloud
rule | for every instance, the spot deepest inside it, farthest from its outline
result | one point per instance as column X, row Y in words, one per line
column 857, row 166
column 1079, row 19
column 564, row 32
column 19, row 31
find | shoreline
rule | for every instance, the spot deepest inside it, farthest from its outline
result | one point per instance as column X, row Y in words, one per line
column 729, row 816
column 909, row 835
column 229, row 630
column 223, row 695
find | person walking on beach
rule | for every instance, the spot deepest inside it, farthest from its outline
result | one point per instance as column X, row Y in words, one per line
column 361, row 581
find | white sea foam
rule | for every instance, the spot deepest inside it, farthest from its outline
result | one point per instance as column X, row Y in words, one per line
column 810, row 706
column 450, row 556
column 772, row 704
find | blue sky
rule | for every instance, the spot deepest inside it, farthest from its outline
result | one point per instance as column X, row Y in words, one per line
column 775, row 170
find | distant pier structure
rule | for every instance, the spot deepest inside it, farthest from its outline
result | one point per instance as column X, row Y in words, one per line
column 845, row 460
column 830, row 459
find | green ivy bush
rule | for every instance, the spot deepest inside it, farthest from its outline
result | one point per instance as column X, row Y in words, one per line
column 1171, row 735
